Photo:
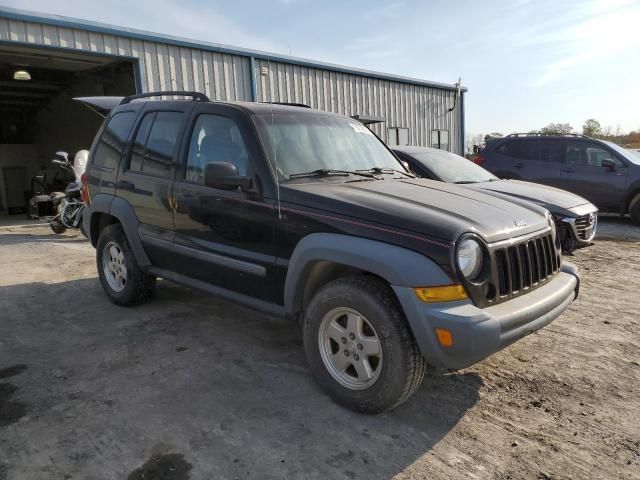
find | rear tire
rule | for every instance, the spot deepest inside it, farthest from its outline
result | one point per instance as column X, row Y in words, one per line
column 634, row 209
column 359, row 345
column 121, row 277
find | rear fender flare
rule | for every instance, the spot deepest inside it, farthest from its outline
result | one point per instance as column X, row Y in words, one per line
column 124, row 213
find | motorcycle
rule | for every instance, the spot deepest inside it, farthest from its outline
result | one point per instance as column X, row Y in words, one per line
column 63, row 210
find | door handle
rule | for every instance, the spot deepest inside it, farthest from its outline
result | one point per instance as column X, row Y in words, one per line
column 125, row 185
column 518, row 165
column 569, row 170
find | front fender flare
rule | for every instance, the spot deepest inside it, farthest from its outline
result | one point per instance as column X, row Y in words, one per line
column 398, row 266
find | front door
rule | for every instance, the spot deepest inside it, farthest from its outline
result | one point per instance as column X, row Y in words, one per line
column 145, row 176
column 584, row 175
column 223, row 237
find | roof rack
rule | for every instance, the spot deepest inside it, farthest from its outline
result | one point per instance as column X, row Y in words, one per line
column 197, row 96
column 290, row 104
column 545, row 134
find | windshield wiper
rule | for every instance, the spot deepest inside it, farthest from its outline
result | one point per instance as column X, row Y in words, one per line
column 381, row 170
column 464, row 182
column 328, row 172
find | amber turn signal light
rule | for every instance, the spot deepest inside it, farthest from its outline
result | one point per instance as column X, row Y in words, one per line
column 443, row 293
column 444, row 337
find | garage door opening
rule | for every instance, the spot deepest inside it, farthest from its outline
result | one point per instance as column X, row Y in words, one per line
column 38, row 116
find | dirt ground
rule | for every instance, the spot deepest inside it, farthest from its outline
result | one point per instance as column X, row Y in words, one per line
column 191, row 387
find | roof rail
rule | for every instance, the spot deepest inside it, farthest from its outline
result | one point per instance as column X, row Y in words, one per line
column 197, row 96
column 290, row 104
column 546, row 134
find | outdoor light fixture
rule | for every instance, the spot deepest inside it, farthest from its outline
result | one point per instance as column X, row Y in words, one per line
column 21, row 75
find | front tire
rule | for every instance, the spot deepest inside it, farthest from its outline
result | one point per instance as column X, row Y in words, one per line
column 360, row 347
column 121, row 277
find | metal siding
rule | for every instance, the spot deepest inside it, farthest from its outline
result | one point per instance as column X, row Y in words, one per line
column 418, row 108
column 228, row 76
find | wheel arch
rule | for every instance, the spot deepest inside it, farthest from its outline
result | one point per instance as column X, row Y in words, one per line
column 322, row 257
column 108, row 210
column 634, row 191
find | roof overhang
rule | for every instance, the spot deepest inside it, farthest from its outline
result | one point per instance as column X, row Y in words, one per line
column 368, row 119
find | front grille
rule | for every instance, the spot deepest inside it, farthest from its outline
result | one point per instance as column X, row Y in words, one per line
column 584, row 226
column 524, row 266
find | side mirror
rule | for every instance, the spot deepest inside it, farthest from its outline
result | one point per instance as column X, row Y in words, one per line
column 64, row 155
column 610, row 164
column 224, row 175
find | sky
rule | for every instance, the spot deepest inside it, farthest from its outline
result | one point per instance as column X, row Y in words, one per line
column 526, row 63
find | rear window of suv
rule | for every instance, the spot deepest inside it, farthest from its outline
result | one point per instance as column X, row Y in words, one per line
column 113, row 139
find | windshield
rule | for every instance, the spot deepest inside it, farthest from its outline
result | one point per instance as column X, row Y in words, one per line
column 628, row 154
column 453, row 168
column 302, row 142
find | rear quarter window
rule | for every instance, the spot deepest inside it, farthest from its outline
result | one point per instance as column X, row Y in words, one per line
column 113, row 139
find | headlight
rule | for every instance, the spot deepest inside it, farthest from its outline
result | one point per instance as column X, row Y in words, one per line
column 469, row 258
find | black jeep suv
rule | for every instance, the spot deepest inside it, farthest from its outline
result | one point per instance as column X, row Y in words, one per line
column 308, row 215
column 602, row 172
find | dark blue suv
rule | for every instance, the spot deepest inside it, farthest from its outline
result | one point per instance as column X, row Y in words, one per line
column 602, row 172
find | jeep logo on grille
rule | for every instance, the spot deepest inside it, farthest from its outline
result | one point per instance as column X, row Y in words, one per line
column 520, row 223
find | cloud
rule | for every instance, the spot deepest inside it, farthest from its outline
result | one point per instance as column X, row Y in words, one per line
column 599, row 31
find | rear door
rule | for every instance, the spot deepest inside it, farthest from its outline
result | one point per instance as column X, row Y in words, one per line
column 533, row 159
column 146, row 174
column 584, row 175
column 224, row 237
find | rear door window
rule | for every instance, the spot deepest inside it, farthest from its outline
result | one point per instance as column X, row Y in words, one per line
column 155, row 143
column 113, row 139
column 545, row 150
column 538, row 149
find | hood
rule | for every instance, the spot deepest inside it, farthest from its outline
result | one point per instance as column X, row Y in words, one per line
column 434, row 209
column 559, row 202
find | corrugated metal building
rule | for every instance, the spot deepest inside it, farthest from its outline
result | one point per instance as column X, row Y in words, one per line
column 75, row 57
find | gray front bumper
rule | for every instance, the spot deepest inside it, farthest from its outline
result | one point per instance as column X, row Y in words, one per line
column 480, row 332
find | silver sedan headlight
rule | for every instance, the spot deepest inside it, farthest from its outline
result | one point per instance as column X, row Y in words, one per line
column 469, row 258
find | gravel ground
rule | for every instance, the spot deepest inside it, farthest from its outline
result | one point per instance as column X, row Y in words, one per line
column 190, row 387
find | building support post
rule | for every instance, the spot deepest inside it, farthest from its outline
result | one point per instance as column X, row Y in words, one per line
column 254, row 80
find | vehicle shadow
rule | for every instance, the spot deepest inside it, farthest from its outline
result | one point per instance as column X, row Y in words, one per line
column 20, row 238
column 190, row 375
column 617, row 228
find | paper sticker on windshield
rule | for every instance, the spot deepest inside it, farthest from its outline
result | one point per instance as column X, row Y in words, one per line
column 360, row 128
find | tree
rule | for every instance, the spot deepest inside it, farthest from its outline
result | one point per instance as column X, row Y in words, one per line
column 472, row 140
column 591, row 128
column 489, row 136
column 557, row 128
